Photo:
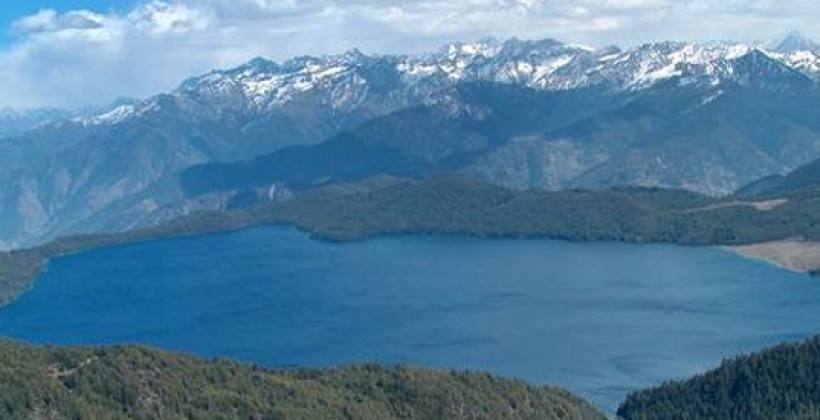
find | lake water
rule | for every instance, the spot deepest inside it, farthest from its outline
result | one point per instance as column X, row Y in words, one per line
column 600, row 319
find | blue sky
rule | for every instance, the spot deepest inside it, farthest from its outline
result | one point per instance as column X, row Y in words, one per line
column 69, row 53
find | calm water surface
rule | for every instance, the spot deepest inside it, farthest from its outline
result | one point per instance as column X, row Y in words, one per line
column 600, row 319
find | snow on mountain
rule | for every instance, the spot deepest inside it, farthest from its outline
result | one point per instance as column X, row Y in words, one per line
column 545, row 64
column 18, row 121
column 118, row 112
column 116, row 115
column 261, row 84
column 343, row 82
column 649, row 63
column 806, row 62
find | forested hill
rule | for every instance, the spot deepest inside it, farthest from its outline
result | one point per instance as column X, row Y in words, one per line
column 782, row 383
column 120, row 383
column 451, row 205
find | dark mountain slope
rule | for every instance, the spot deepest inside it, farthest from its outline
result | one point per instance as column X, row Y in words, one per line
column 806, row 177
column 457, row 126
column 349, row 156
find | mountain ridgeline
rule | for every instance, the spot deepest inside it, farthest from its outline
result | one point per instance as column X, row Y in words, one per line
column 707, row 117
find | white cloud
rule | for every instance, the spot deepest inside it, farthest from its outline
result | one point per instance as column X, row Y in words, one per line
column 160, row 18
column 44, row 20
column 84, row 56
column 49, row 21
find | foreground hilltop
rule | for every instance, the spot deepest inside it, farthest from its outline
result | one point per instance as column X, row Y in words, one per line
column 131, row 382
column 140, row 383
column 777, row 384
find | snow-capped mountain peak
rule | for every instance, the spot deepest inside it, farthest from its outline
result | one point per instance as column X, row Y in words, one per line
column 348, row 80
column 466, row 50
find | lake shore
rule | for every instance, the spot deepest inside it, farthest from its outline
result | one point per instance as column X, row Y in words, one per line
column 447, row 206
column 795, row 255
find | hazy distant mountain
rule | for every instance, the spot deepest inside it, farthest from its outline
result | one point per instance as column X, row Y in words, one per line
column 14, row 122
column 795, row 42
column 519, row 113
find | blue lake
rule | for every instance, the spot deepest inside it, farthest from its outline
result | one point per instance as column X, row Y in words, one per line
column 600, row 319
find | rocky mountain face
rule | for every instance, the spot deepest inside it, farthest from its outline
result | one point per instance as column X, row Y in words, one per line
column 709, row 117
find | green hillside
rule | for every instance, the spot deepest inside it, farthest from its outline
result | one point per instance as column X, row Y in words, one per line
column 139, row 383
column 457, row 206
column 782, row 383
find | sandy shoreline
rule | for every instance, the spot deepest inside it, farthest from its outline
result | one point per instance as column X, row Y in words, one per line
column 795, row 255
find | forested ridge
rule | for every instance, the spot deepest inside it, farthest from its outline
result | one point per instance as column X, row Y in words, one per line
column 125, row 383
column 451, row 205
column 782, row 383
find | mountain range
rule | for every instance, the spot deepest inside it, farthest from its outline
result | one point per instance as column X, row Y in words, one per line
column 708, row 117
